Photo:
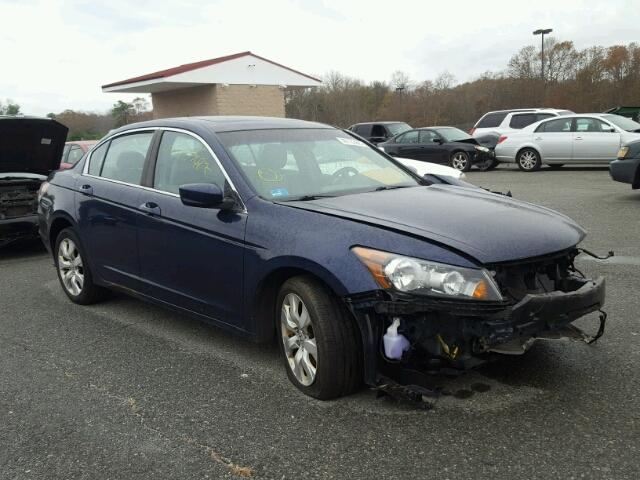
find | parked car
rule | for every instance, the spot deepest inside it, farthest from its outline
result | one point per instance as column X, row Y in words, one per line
column 376, row 132
column 626, row 168
column 429, row 168
column 30, row 149
column 290, row 229
column 630, row 112
column 503, row 121
column 73, row 152
column 447, row 145
column 577, row 139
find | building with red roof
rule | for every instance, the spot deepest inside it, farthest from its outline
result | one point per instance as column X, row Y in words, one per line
column 239, row 84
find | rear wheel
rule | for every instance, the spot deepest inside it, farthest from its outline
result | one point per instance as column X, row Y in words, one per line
column 460, row 161
column 528, row 160
column 73, row 270
column 319, row 340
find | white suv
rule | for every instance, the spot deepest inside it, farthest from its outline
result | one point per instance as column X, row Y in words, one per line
column 503, row 121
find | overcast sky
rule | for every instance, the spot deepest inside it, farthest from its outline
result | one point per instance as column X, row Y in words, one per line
column 55, row 54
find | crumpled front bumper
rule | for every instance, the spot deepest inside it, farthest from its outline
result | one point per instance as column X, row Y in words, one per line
column 476, row 327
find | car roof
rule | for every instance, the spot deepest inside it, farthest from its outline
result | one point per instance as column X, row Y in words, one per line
column 534, row 109
column 227, row 123
column 386, row 122
column 85, row 143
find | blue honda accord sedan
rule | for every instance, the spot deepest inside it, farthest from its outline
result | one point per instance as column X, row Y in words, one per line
column 362, row 270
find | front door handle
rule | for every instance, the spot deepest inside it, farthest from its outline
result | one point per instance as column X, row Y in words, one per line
column 150, row 208
column 86, row 189
column 538, row 138
column 577, row 138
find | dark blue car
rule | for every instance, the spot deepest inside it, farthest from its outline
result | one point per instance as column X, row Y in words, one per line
column 362, row 270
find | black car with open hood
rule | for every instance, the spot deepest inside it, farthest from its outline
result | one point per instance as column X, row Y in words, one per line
column 30, row 149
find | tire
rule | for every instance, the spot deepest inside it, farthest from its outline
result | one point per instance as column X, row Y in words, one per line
column 487, row 165
column 556, row 166
column 460, row 161
column 75, row 275
column 338, row 350
column 528, row 160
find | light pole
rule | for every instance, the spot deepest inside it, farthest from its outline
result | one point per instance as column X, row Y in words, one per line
column 543, row 32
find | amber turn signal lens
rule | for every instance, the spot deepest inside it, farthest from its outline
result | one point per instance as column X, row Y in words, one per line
column 481, row 291
column 375, row 261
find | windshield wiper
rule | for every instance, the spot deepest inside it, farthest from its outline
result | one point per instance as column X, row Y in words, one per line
column 305, row 198
column 389, row 187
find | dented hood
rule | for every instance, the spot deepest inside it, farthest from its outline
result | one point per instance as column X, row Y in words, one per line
column 489, row 227
column 31, row 145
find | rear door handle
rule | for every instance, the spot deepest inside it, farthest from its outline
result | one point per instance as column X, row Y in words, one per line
column 86, row 189
column 150, row 208
column 577, row 138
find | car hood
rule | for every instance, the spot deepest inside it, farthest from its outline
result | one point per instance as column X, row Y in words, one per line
column 31, row 145
column 488, row 227
column 466, row 141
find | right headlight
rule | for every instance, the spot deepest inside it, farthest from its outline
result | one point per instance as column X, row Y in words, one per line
column 413, row 275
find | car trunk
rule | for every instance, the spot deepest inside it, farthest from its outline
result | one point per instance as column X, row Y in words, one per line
column 30, row 149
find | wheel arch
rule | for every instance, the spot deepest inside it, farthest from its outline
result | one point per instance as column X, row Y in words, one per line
column 529, row 147
column 262, row 307
column 59, row 222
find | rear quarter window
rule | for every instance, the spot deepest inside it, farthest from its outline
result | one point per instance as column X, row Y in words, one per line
column 491, row 120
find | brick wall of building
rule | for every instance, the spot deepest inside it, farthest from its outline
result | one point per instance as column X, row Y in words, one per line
column 185, row 102
column 262, row 100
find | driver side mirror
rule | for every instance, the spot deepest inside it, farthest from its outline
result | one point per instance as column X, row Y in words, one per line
column 608, row 129
column 205, row 195
column 437, row 140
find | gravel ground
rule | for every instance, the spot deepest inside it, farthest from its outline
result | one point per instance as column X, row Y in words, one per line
column 127, row 390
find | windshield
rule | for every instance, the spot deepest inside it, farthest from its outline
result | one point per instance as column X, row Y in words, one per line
column 623, row 122
column 288, row 164
column 397, row 128
column 451, row 134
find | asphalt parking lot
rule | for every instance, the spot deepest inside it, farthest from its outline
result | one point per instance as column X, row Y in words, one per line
column 123, row 389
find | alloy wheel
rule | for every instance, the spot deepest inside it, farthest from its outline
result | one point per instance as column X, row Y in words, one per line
column 528, row 160
column 459, row 161
column 299, row 339
column 70, row 267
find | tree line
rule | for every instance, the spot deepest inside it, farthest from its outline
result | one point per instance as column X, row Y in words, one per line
column 588, row 80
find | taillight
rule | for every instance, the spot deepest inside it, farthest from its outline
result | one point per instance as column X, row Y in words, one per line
column 502, row 138
column 471, row 130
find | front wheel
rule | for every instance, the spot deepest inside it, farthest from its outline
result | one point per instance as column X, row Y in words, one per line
column 73, row 269
column 318, row 338
column 528, row 160
column 460, row 161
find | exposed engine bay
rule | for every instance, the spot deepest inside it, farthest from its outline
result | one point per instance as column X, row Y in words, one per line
column 412, row 336
column 18, row 198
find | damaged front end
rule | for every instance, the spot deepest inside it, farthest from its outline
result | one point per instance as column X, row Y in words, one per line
column 540, row 298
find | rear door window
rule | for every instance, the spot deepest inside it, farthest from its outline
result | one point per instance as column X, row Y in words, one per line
column 555, row 126
column 125, row 158
column 378, row 131
column 409, row 137
column 521, row 120
column 491, row 120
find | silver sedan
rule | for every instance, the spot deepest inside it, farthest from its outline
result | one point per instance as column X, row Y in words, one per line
column 572, row 139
